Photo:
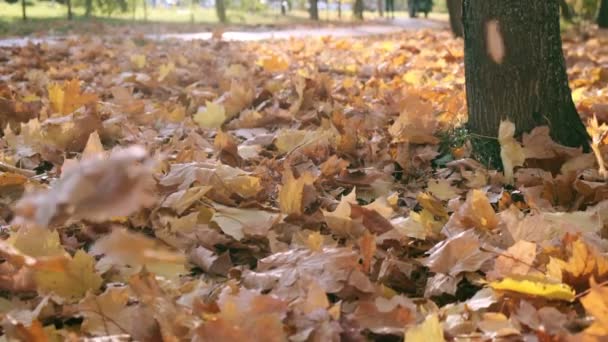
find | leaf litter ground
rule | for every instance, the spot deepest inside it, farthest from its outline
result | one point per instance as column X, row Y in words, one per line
column 302, row 190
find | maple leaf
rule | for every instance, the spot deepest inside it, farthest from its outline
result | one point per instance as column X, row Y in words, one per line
column 459, row 253
column 78, row 278
column 96, row 190
column 122, row 247
column 511, row 152
column 516, row 260
column 107, row 313
column 429, row 330
column 442, row 189
column 66, row 98
column 385, row 316
column 583, row 264
column 238, row 223
column 181, row 200
column 273, row 63
column 596, row 304
column 212, row 116
column 291, row 194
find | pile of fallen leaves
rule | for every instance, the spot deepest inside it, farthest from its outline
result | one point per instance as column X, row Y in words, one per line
column 298, row 190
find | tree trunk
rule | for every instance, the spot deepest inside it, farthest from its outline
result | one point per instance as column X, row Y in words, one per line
column 565, row 10
column 145, row 10
column 339, row 9
column 379, row 4
column 313, row 10
column 358, row 9
column 88, row 4
column 23, row 12
column 602, row 18
column 514, row 69
column 220, row 9
column 69, row 4
column 455, row 10
column 192, row 6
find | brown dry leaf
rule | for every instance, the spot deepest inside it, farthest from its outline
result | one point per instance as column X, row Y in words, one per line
column 459, row 253
column 122, row 247
column 245, row 316
column 477, row 212
column 416, row 123
column 96, row 190
column 239, row 223
column 517, row 260
column 333, row 268
column 107, row 313
column 385, row 316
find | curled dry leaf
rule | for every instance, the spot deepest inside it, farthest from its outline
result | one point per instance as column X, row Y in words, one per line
column 96, row 190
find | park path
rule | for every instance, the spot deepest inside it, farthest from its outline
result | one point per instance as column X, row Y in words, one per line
column 388, row 27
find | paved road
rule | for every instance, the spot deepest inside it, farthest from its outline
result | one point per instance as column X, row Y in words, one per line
column 393, row 26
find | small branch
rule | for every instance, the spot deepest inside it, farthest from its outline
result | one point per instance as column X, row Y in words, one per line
column 6, row 167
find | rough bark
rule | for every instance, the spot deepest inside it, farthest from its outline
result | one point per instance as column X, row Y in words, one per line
column 220, row 9
column 528, row 85
column 23, row 11
column 455, row 11
column 602, row 18
column 358, row 9
column 313, row 10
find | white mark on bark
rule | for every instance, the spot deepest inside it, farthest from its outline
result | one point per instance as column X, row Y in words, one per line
column 494, row 42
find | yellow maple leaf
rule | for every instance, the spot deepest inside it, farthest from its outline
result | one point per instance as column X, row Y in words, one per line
column 164, row 71
column 583, row 264
column 596, row 304
column 66, row 98
column 534, row 286
column 511, row 152
column 429, row 330
column 291, row 195
column 442, row 189
column 37, row 242
column 273, row 63
column 138, row 61
column 212, row 116
column 78, row 278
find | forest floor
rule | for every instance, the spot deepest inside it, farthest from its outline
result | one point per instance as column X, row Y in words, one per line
column 316, row 188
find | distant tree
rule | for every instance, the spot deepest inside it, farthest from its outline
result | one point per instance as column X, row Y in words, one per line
column 566, row 9
column 145, row 3
column 69, row 4
column 515, row 69
column 602, row 18
column 380, row 7
column 88, row 8
column 220, row 9
column 23, row 12
column 313, row 10
column 358, row 9
column 455, row 11
column 339, row 9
